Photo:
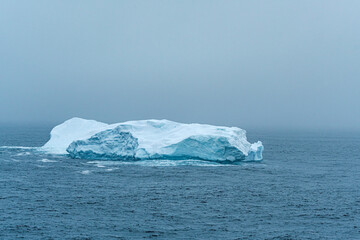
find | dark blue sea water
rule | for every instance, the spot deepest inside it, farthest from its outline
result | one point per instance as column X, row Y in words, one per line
column 307, row 187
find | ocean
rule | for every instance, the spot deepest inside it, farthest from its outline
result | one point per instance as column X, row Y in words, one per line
column 307, row 187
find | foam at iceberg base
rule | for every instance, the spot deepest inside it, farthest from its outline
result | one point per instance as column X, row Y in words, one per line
column 151, row 139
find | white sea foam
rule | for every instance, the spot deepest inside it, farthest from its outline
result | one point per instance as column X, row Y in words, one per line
column 17, row 147
column 23, row 154
column 45, row 160
column 110, row 169
column 86, row 172
column 159, row 163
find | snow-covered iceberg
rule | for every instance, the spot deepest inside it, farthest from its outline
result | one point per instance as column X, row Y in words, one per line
column 151, row 139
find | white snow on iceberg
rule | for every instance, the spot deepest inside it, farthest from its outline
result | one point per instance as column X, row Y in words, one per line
column 151, row 139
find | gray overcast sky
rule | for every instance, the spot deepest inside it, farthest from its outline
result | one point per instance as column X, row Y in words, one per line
column 291, row 64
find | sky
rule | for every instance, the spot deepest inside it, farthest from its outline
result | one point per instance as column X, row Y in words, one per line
column 251, row 64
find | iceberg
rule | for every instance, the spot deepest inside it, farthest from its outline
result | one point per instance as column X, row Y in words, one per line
column 151, row 139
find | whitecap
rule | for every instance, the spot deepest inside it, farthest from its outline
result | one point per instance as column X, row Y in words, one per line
column 23, row 154
column 45, row 160
column 160, row 163
column 86, row 172
column 16, row 147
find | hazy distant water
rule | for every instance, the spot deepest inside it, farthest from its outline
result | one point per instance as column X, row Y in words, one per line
column 308, row 187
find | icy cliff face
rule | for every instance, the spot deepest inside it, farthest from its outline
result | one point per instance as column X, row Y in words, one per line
column 108, row 144
column 151, row 139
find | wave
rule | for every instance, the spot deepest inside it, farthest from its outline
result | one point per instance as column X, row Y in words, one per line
column 45, row 160
column 159, row 163
column 110, row 165
column 18, row 147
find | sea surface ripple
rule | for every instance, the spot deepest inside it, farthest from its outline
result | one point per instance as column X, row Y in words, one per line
column 307, row 187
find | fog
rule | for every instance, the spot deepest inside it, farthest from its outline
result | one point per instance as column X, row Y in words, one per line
column 252, row 64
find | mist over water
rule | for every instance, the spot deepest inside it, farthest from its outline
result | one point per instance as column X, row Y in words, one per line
column 251, row 64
